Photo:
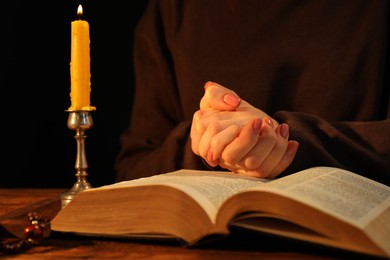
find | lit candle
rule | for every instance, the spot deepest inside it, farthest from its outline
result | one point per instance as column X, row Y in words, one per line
column 80, row 65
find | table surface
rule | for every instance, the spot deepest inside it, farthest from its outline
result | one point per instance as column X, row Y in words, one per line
column 16, row 203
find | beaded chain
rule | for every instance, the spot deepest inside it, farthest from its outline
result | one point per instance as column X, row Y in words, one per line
column 34, row 232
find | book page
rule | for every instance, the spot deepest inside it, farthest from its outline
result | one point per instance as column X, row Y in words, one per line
column 209, row 188
column 343, row 194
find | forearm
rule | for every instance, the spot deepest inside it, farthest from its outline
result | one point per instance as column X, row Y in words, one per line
column 362, row 147
column 141, row 158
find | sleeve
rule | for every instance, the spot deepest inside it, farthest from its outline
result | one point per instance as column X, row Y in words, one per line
column 157, row 139
column 361, row 147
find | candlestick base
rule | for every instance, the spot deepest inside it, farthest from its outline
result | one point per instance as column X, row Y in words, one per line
column 80, row 121
column 67, row 197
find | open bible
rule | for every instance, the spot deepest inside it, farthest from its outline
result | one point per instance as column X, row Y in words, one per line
column 322, row 205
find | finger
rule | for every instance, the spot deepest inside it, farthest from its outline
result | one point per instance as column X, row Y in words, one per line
column 220, row 140
column 276, row 154
column 202, row 120
column 219, row 97
column 197, row 131
column 263, row 146
column 246, row 140
column 279, row 164
column 287, row 158
column 204, row 143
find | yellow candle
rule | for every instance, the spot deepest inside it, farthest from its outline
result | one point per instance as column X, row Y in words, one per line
column 80, row 65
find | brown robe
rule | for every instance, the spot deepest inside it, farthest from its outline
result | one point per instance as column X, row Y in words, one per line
column 320, row 66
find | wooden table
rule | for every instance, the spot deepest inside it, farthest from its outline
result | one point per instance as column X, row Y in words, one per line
column 16, row 203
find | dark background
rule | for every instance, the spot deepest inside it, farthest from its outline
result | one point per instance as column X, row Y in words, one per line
column 38, row 150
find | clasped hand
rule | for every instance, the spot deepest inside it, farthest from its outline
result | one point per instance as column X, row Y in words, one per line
column 229, row 132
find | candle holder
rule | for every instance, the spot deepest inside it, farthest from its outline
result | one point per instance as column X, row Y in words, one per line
column 80, row 121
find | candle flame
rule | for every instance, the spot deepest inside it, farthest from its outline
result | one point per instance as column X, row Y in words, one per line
column 80, row 11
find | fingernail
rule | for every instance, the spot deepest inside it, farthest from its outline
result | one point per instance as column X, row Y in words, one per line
column 257, row 125
column 269, row 121
column 231, row 99
column 284, row 131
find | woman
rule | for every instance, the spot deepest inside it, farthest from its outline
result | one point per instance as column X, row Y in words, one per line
column 318, row 67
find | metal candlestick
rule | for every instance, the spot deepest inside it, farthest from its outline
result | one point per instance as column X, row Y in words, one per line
column 80, row 121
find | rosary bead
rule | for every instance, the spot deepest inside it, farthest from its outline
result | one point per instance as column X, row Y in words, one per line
column 33, row 233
